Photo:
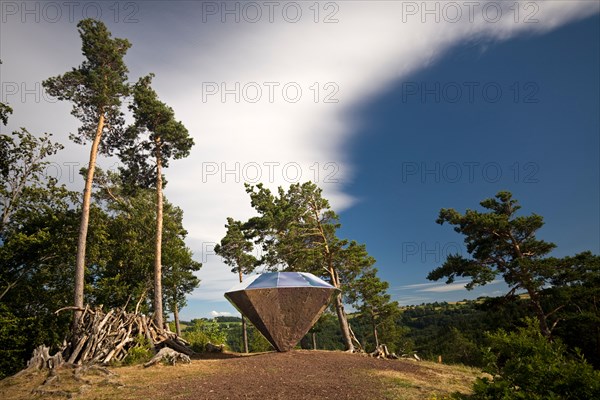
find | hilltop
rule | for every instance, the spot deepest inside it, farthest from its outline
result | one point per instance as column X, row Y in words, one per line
column 299, row 374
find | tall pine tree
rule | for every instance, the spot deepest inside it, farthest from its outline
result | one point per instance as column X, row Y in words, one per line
column 96, row 89
column 152, row 141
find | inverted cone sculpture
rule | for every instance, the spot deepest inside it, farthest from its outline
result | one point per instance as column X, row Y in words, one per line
column 283, row 306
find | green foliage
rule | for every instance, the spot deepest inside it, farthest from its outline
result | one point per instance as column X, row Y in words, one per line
column 97, row 86
column 201, row 331
column 232, row 328
column 455, row 331
column 328, row 335
column 5, row 111
column 124, row 275
column 235, row 248
column 257, row 342
column 13, row 342
column 37, row 254
column 154, row 138
column 524, row 365
column 500, row 243
column 225, row 318
column 141, row 352
column 575, row 295
column 376, row 306
column 22, row 168
column 36, row 248
column 166, row 138
column 297, row 230
column 22, row 331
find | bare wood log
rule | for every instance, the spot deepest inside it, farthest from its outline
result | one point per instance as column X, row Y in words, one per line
column 77, row 350
column 41, row 359
column 88, row 347
column 68, row 308
column 382, row 351
column 147, row 331
column 169, row 355
column 176, row 346
column 104, row 320
column 211, row 348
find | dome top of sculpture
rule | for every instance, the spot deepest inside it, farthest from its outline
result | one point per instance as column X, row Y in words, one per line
column 281, row 280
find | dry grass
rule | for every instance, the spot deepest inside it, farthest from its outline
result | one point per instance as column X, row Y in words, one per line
column 431, row 381
column 337, row 374
column 127, row 383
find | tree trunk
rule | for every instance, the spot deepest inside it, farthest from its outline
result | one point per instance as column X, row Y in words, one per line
column 375, row 334
column 83, row 226
column 539, row 311
column 245, row 334
column 343, row 320
column 314, row 340
column 176, row 317
column 339, row 309
column 244, row 325
column 158, row 307
column 534, row 297
column 347, row 334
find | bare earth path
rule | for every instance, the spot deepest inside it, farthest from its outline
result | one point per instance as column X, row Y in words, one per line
column 294, row 375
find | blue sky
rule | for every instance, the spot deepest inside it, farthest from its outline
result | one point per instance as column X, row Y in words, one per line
column 418, row 151
column 400, row 111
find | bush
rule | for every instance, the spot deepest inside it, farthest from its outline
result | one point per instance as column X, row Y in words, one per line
column 525, row 365
column 141, row 352
column 200, row 332
column 257, row 342
column 13, row 340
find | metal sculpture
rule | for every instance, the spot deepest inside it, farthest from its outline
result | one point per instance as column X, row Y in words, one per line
column 283, row 306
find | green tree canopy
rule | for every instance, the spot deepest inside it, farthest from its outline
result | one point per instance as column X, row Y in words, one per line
column 297, row 230
column 501, row 243
column 373, row 301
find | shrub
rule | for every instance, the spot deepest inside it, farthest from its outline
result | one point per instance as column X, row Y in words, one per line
column 257, row 342
column 525, row 365
column 200, row 332
column 141, row 352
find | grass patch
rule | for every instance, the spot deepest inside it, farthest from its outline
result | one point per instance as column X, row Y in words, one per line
column 430, row 381
column 129, row 383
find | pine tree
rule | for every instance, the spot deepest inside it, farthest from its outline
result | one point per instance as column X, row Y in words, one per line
column 96, row 89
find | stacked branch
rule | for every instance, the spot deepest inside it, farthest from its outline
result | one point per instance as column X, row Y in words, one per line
column 105, row 337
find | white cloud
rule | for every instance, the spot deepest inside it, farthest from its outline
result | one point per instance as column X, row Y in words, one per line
column 409, row 300
column 416, row 286
column 452, row 287
column 438, row 287
column 220, row 314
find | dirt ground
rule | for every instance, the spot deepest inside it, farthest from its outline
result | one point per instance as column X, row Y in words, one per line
column 292, row 375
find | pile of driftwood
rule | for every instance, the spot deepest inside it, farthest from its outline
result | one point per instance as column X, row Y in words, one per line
column 101, row 338
column 105, row 337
